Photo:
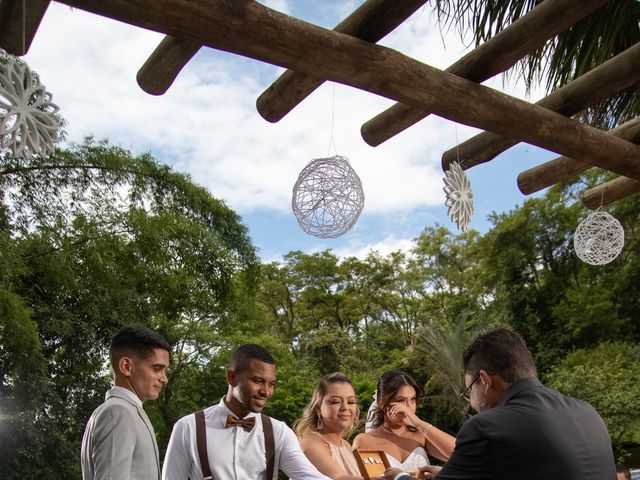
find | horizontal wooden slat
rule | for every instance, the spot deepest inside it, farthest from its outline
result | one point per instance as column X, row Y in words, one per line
column 497, row 55
column 373, row 20
column 563, row 168
column 612, row 76
column 161, row 69
column 610, row 192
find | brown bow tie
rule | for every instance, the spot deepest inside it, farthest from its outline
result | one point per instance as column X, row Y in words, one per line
column 246, row 423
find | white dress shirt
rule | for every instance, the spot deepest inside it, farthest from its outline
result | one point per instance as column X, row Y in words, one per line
column 233, row 453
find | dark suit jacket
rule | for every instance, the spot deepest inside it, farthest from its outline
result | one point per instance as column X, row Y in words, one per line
column 534, row 433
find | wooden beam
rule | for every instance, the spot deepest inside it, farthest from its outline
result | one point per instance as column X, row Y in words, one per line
column 162, row 67
column 164, row 64
column 372, row 21
column 610, row 192
column 255, row 31
column 18, row 25
column 614, row 75
column 563, row 168
column 497, row 55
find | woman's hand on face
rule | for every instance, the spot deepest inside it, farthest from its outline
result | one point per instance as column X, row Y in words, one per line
column 400, row 413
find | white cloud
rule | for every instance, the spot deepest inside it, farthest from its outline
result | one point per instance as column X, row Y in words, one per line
column 207, row 124
column 384, row 247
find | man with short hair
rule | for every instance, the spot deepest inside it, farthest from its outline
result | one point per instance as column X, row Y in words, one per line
column 523, row 430
column 233, row 440
column 119, row 442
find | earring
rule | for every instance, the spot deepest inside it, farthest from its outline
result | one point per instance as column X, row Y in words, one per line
column 319, row 422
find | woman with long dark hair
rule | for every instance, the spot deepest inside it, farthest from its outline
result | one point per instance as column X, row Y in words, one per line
column 397, row 430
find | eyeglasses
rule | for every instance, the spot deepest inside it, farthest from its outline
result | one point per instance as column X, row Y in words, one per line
column 466, row 395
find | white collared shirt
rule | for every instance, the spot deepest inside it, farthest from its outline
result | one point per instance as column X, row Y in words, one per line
column 127, row 392
column 233, row 453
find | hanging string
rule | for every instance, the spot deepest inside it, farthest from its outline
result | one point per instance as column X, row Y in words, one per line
column 24, row 26
column 457, row 144
column 333, row 113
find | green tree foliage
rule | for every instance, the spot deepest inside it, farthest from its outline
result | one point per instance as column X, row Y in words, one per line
column 94, row 238
column 606, row 376
column 530, row 260
column 544, row 291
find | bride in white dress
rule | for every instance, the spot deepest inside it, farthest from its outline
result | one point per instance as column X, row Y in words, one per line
column 405, row 439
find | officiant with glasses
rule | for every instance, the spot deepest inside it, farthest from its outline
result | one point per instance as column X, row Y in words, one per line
column 523, row 429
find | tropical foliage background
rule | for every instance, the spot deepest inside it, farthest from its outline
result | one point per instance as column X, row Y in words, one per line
column 93, row 238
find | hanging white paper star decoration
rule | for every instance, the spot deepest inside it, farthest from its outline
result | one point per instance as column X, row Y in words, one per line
column 459, row 200
column 599, row 238
column 29, row 121
column 327, row 197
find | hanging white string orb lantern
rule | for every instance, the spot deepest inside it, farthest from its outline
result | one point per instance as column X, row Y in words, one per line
column 459, row 197
column 599, row 238
column 327, row 197
column 29, row 121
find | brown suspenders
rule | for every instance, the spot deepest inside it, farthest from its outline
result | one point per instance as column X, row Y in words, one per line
column 201, row 440
column 269, row 444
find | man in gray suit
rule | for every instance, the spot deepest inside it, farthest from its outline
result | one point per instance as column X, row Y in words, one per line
column 523, row 430
column 119, row 441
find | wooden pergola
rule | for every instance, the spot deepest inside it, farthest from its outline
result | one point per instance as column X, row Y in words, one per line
column 348, row 54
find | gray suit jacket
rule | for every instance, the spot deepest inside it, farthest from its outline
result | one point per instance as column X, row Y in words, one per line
column 119, row 442
column 534, row 433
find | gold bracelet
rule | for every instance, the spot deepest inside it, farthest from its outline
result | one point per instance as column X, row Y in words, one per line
column 426, row 429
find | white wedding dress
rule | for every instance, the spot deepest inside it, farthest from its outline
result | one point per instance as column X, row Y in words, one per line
column 416, row 459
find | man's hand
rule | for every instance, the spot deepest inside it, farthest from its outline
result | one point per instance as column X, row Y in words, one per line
column 429, row 471
column 390, row 474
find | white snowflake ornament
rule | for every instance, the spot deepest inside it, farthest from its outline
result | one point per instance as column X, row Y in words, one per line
column 327, row 197
column 29, row 123
column 599, row 238
column 457, row 189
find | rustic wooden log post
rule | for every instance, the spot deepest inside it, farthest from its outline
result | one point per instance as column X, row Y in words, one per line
column 18, row 25
column 162, row 67
column 372, row 21
column 497, row 55
column 563, row 168
column 255, row 31
column 614, row 75
column 610, row 192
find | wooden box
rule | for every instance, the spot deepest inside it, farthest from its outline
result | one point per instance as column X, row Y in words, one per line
column 372, row 463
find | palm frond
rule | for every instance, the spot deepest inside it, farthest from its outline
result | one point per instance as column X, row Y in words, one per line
column 587, row 44
column 441, row 347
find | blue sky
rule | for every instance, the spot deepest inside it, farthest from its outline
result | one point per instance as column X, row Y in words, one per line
column 206, row 125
